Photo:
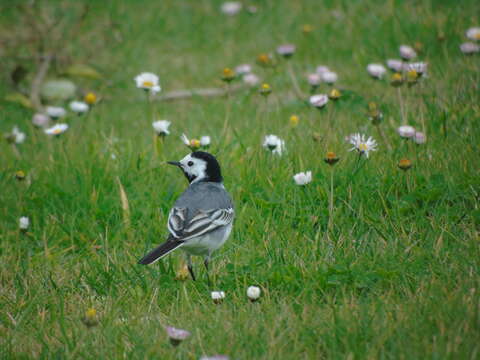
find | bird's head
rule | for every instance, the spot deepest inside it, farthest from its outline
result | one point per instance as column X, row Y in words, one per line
column 199, row 166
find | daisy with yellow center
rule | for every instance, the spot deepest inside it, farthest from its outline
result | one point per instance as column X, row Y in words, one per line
column 264, row 60
column 193, row 144
column 57, row 129
column 148, row 82
column 362, row 145
column 90, row 319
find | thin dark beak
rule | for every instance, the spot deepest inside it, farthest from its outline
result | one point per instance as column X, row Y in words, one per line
column 176, row 163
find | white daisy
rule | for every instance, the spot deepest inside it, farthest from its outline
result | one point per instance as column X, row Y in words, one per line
column 40, row 120
column 243, row 69
column 231, row 7
column 318, row 100
column 406, row 131
column 420, row 67
column 251, row 79
column 303, row 178
column 24, row 223
column 274, row 144
column 161, row 127
column 322, row 69
column 376, row 70
column 148, row 81
column 79, row 107
column 286, row 50
column 253, row 293
column 329, row 77
column 395, row 65
column 16, row 136
column 469, row 48
column 55, row 112
column 407, row 52
column 176, row 335
column 205, row 141
column 473, row 33
column 314, row 79
column 420, row 138
column 57, row 129
column 361, row 145
column 217, row 296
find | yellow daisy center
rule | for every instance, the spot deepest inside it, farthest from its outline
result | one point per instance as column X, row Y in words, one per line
column 90, row 98
column 90, row 313
column 294, row 119
column 195, row 143
column 57, row 131
column 147, row 84
column 362, row 147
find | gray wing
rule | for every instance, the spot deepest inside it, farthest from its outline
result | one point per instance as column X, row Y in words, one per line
column 203, row 222
column 201, row 209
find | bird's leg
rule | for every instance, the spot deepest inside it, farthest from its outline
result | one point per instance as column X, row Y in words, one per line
column 190, row 267
column 207, row 259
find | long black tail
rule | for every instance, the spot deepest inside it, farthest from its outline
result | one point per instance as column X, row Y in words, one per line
column 159, row 252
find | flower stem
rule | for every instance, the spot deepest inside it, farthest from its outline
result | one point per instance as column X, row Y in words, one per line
column 400, row 101
column 296, row 88
column 330, row 208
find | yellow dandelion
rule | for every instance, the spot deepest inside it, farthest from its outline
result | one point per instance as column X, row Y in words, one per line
column 294, row 119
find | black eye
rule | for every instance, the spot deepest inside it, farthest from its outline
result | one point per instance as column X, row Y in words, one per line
column 190, row 163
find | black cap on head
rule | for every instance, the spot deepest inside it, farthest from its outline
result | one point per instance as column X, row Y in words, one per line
column 213, row 171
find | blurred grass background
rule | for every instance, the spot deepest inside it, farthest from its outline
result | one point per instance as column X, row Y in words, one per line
column 396, row 277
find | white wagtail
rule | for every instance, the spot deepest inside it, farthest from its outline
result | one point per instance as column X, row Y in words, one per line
column 202, row 217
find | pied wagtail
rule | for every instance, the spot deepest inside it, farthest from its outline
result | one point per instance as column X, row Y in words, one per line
column 201, row 219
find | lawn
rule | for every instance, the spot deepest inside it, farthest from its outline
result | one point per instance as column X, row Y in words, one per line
column 368, row 260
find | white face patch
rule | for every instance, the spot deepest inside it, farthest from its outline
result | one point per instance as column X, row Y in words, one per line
column 194, row 168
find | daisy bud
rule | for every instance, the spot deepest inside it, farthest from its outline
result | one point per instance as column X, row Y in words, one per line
column 331, row 158
column 90, row 98
column 314, row 80
column 265, row 89
column 412, row 77
column 334, row 94
column 307, row 28
column 319, row 100
column 418, row 46
column 161, row 127
column 228, row 75
column 251, row 79
column 286, row 50
column 396, row 80
column 374, row 113
column 182, row 273
column 205, row 141
column 253, row 293
column 55, row 112
column 294, row 119
column 24, row 223
column 376, row 70
column 407, row 52
column 469, row 48
column 218, row 296
column 194, row 144
column 395, row 65
column 404, row 164
column 441, row 36
column 231, row 8
column 329, row 77
column 79, row 107
column 40, row 120
column 90, row 318
column 20, row 175
column 303, row 178
column 406, row 131
column 243, row 69
column 264, row 60
column 420, row 138
column 176, row 336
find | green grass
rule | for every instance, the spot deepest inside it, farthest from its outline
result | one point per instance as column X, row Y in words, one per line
column 395, row 277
